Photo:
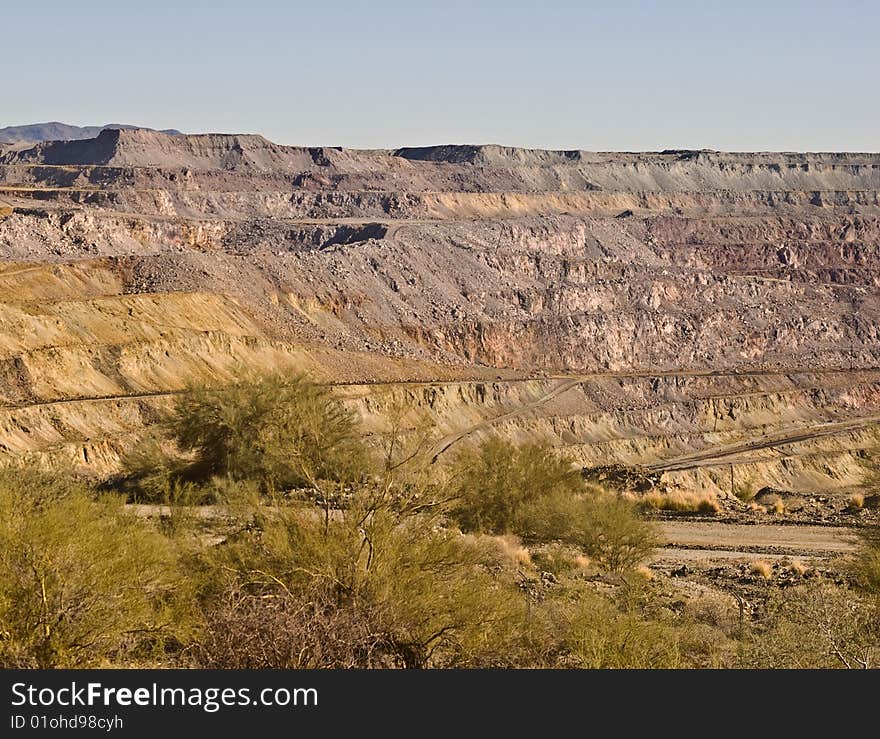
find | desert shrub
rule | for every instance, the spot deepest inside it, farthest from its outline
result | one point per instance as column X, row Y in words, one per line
column 38, row 486
column 866, row 567
column 605, row 526
column 703, row 646
column 717, row 610
column 503, row 488
column 746, row 492
column 415, row 594
column 255, row 629
column 612, row 534
column 551, row 517
column 155, row 472
column 574, row 626
column 82, row 583
column 500, row 553
column 594, row 634
column 815, row 627
column 280, row 432
column 557, row 559
column 492, row 483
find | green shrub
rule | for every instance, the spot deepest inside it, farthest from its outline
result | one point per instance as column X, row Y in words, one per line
column 418, row 594
column 867, row 563
column 556, row 559
column 280, row 432
column 600, row 637
column 82, row 583
column 606, row 527
column 154, row 473
column 611, row 532
column 552, row 517
column 527, row 490
column 492, row 483
column 575, row 627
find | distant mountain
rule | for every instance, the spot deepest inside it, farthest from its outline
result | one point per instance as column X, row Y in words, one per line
column 55, row 131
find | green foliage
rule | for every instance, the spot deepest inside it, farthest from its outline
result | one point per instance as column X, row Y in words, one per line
column 575, row 627
column 610, row 531
column 600, row 637
column 155, row 473
column 867, row 563
column 606, row 527
column 493, row 482
column 745, row 492
column 81, row 583
column 555, row 558
column 382, row 579
column 420, row 592
column 530, row 491
column 281, row 432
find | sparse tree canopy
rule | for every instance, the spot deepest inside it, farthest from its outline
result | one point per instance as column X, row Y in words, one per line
column 493, row 482
column 283, row 432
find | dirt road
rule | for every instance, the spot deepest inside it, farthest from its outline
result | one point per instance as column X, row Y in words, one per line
column 447, row 441
column 712, row 539
column 723, row 454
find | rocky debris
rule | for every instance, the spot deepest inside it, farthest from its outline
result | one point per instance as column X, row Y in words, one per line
column 623, row 478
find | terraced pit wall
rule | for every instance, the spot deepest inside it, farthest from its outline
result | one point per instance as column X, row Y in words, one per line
column 714, row 310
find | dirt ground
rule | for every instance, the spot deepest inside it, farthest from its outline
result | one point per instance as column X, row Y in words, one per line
column 689, row 540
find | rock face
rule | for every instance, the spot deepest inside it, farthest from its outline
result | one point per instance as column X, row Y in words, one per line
column 138, row 261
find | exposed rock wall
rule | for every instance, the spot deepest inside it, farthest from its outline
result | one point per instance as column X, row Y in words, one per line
column 136, row 263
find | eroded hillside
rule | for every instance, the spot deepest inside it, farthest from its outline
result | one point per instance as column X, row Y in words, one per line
column 701, row 316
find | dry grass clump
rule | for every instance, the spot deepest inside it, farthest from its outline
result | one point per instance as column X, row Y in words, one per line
column 856, row 501
column 798, row 567
column 513, row 549
column 779, row 506
column 502, row 552
column 757, row 507
column 716, row 609
column 682, row 502
column 762, row 568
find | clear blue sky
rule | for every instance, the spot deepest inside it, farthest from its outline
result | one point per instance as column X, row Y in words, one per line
column 623, row 75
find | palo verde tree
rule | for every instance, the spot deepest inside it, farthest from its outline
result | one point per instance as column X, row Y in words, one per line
column 82, row 583
column 280, row 432
column 378, row 584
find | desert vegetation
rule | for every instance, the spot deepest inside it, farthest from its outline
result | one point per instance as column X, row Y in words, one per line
column 279, row 535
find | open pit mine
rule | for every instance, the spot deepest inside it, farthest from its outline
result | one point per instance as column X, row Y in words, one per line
column 685, row 324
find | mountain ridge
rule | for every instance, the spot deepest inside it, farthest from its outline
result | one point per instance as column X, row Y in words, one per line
column 34, row 133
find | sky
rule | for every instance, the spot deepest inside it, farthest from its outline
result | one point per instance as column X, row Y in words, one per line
column 605, row 76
